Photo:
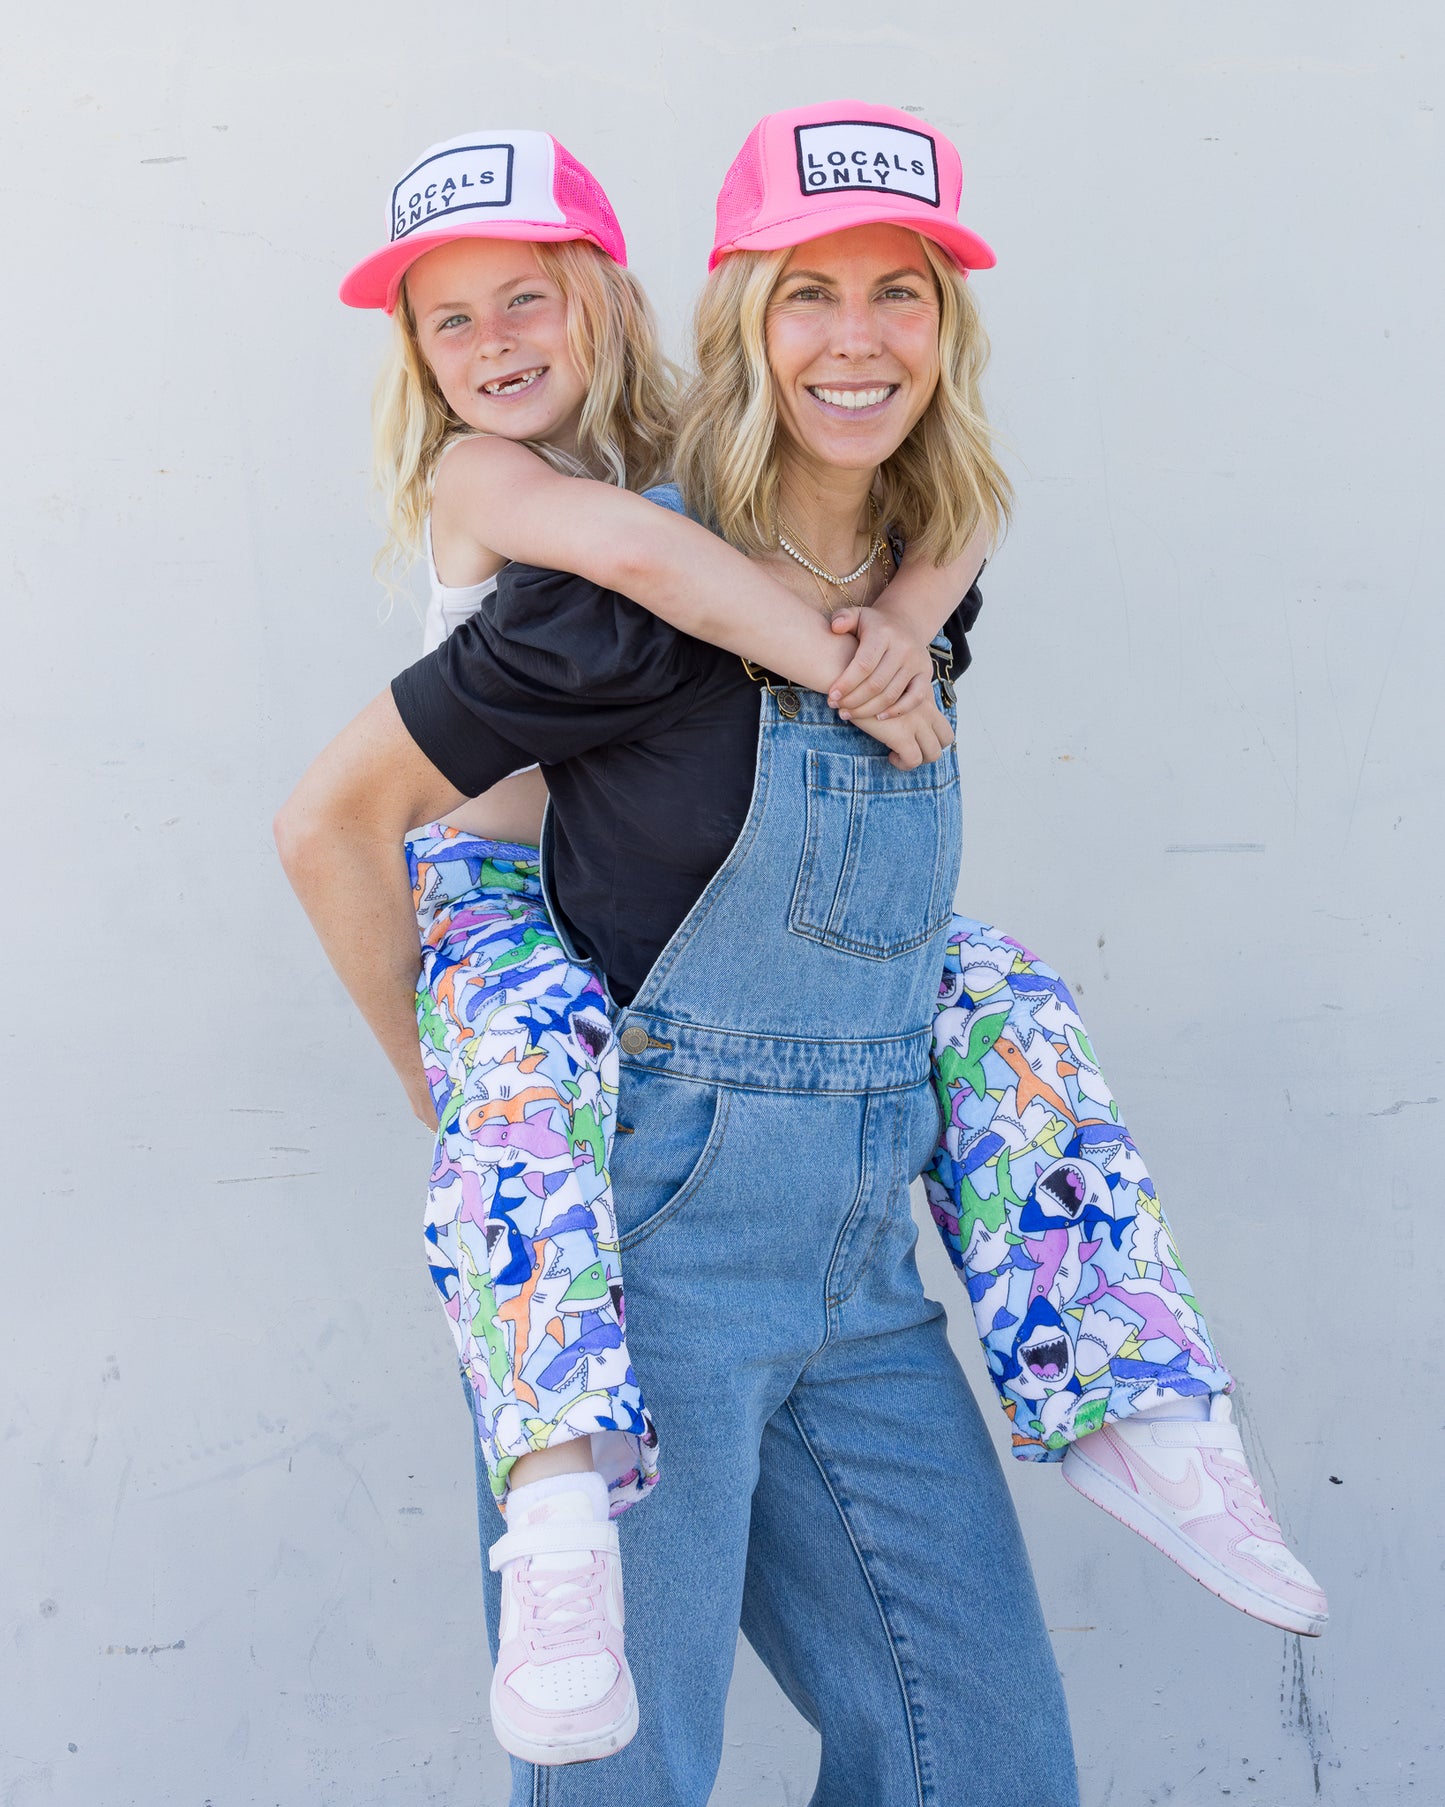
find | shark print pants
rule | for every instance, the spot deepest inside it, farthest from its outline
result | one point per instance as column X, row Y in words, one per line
column 1048, row 1211
column 1041, row 1197
column 521, row 1236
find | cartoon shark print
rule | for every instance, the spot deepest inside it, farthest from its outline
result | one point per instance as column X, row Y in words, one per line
column 521, row 1234
column 953, row 1064
column 1073, row 1192
column 1048, row 1211
column 1045, row 1206
column 1042, row 1358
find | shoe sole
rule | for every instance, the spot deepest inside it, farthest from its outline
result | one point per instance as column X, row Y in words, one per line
column 558, row 1751
column 1103, row 1491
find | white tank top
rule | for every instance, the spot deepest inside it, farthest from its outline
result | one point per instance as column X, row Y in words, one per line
column 448, row 605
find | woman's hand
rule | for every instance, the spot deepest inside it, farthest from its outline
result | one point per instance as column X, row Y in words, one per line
column 889, row 667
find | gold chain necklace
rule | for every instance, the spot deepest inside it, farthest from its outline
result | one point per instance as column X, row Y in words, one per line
column 820, row 571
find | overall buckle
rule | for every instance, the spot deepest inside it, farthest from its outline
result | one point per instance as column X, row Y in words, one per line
column 784, row 694
column 943, row 673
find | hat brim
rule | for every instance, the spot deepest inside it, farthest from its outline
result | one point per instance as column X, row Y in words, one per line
column 966, row 248
column 376, row 280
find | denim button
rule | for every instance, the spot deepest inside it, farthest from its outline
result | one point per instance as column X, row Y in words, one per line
column 634, row 1039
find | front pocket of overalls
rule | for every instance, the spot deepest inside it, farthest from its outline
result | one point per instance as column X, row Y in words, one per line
column 880, row 853
column 671, row 1131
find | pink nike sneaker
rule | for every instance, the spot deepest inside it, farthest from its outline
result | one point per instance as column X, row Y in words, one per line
column 1186, row 1488
column 561, row 1690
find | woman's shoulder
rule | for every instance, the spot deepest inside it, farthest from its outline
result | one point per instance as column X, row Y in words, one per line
column 668, row 495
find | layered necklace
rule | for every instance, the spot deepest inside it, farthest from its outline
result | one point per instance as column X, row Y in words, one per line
column 801, row 553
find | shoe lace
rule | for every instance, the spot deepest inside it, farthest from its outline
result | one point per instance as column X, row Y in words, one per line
column 563, row 1608
column 1243, row 1497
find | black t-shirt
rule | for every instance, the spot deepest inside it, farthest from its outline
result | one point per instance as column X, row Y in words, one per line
column 647, row 739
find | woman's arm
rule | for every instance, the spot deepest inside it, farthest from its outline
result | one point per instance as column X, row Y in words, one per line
column 340, row 837
column 516, row 505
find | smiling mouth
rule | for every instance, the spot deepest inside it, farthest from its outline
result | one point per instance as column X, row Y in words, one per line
column 514, row 385
column 854, row 400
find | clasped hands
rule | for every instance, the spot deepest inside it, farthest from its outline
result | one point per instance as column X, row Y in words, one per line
column 887, row 689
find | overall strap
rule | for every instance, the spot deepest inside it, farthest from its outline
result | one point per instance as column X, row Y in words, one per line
column 785, row 694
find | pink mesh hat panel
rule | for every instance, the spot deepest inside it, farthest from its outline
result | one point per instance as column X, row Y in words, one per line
column 491, row 184
column 810, row 171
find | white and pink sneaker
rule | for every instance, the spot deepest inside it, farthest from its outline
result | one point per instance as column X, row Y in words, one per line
column 1186, row 1488
column 561, row 1690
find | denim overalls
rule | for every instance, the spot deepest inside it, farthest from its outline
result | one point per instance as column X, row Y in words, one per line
column 829, row 1485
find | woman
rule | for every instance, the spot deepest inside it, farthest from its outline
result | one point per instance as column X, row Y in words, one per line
column 768, row 899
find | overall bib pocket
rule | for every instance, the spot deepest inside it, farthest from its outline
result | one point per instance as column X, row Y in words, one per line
column 670, row 1131
column 880, row 853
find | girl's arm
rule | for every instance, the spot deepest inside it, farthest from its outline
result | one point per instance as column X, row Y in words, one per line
column 881, row 677
column 922, row 596
column 340, row 838
column 517, row 506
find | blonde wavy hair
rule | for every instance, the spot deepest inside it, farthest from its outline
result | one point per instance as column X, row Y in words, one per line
column 934, row 490
column 628, row 416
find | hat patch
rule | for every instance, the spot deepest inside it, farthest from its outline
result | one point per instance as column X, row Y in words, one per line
column 854, row 154
column 452, row 182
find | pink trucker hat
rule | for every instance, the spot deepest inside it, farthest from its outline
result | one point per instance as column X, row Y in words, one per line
column 492, row 184
column 813, row 170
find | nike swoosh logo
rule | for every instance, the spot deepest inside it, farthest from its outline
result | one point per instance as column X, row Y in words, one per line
column 1182, row 1495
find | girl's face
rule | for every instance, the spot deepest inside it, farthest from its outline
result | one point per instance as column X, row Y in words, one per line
column 493, row 328
column 852, row 337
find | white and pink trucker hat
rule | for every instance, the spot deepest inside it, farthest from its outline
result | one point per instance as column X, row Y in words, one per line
column 491, row 184
column 810, row 171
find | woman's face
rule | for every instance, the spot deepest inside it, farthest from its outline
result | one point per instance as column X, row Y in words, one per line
column 852, row 336
column 493, row 328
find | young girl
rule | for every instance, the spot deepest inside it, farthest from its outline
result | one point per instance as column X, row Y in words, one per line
column 508, row 327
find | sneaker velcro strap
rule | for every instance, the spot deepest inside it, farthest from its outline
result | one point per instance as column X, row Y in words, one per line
column 1186, row 1433
column 567, row 1539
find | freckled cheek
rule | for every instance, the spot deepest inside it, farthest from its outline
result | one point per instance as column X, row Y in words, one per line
column 565, row 373
column 451, row 376
column 550, row 336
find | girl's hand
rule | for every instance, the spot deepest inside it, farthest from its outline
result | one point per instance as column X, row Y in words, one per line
column 915, row 736
column 888, row 665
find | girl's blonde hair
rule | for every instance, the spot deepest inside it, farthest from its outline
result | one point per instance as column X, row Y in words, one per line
column 627, row 417
column 934, row 490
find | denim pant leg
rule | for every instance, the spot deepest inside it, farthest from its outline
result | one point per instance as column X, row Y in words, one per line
column 771, row 1282
column 724, row 1301
column 888, row 1588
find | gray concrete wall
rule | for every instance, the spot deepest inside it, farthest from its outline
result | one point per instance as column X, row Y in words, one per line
column 1204, row 753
